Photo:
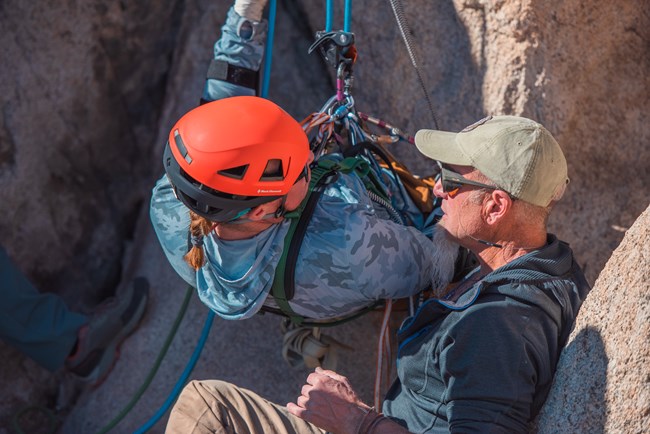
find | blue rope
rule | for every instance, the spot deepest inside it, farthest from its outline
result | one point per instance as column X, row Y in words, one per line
column 328, row 15
column 348, row 15
column 268, row 53
column 183, row 378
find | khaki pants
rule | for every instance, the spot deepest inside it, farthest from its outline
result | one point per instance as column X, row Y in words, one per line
column 213, row 406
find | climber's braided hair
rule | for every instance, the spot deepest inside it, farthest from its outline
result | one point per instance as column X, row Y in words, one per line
column 199, row 228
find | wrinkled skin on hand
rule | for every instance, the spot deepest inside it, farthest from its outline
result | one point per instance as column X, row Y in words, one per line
column 328, row 401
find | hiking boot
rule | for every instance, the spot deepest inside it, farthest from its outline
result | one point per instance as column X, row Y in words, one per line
column 98, row 341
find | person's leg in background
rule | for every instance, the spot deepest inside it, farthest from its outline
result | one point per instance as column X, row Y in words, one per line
column 42, row 327
column 39, row 325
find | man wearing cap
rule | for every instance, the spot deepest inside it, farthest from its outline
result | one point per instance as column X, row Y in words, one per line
column 481, row 358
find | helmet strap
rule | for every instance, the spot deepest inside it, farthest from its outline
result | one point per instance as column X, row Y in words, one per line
column 281, row 210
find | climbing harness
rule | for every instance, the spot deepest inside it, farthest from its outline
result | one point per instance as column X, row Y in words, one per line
column 324, row 171
column 338, row 127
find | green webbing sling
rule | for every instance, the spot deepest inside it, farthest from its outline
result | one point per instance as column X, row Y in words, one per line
column 323, row 173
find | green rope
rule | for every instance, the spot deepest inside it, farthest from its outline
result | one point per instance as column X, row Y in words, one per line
column 154, row 369
column 50, row 416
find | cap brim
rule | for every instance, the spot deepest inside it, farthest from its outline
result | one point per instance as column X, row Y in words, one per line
column 441, row 146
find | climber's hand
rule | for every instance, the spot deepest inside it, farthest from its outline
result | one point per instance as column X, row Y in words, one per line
column 250, row 9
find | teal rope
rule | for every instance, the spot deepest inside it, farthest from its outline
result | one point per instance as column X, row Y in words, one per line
column 183, row 378
column 329, row 8
column 348, row 16
column 329, row 12
column 268, row 53
column 154, row 369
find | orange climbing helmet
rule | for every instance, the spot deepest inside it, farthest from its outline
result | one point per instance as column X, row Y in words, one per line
column 228, row 156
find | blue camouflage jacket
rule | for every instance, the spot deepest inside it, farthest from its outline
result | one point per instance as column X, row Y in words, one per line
column 351, row 254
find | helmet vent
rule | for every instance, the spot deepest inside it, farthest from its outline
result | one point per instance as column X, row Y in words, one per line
column 273, row 171
column 181, row 146
column 234, row 172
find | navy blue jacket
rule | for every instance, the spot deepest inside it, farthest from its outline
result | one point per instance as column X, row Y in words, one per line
column 485, row 362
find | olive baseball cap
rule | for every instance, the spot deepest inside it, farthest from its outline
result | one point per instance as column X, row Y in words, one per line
column 519, row 155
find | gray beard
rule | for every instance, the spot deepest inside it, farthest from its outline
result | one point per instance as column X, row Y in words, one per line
column 444, row 254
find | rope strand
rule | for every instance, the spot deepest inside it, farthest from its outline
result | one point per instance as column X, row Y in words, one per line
column 405, row 30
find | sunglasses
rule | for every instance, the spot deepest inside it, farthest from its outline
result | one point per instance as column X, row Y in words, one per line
column 452, row 181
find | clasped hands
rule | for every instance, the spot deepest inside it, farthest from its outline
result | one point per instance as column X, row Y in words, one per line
column 328, row 401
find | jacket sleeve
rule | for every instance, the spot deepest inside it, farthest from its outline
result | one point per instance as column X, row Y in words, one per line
column 241, row 44
column 490, row 363
column 393, row 261
column 171, row 222
column 356, row 254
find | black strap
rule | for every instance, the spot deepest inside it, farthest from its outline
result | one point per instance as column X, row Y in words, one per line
column 220, row 70
column 283, row 291
column 299, row 235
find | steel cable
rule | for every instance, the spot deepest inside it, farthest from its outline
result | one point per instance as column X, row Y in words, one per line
column 405, row 30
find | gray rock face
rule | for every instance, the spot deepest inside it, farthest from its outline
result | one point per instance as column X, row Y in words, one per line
column 82, row 87
column 603, row 379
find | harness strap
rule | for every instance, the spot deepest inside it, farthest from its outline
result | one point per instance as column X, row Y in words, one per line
column 284, row 281
column 324, row 172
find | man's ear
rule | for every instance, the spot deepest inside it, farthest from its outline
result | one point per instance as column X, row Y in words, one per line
column 496, row 206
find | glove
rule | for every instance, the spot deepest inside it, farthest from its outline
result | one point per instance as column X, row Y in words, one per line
column 250, row 9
